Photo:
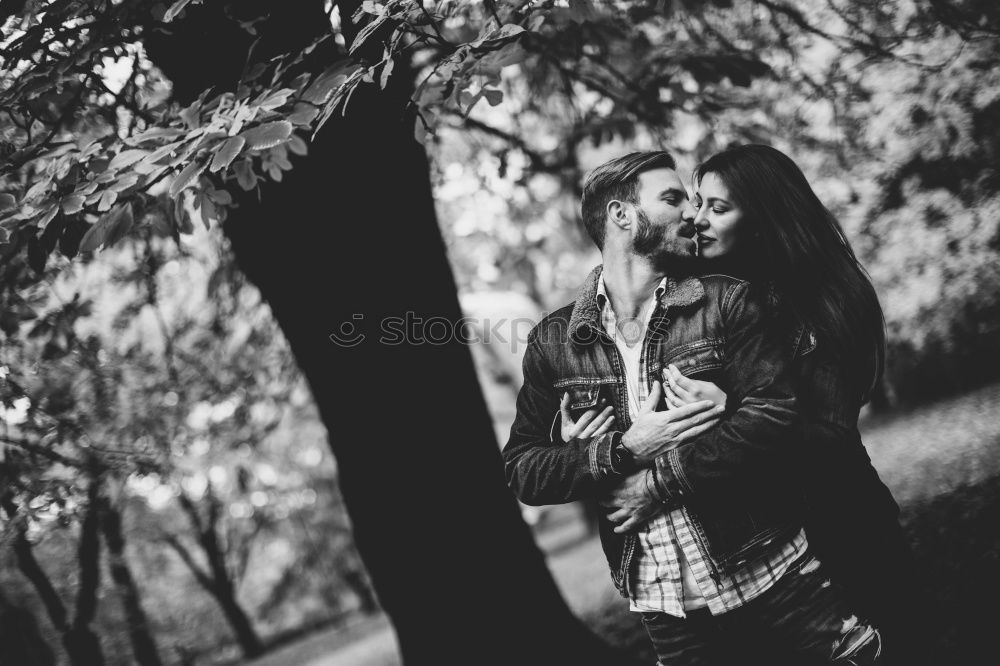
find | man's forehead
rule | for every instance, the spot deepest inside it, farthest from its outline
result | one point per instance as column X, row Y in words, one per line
column 660, row 179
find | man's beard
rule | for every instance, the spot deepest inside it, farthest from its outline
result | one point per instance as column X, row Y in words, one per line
column 651, row 241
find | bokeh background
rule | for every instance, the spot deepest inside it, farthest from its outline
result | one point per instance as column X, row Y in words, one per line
column 222, row 535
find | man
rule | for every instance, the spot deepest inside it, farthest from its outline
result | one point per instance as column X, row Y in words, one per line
column 719, row 570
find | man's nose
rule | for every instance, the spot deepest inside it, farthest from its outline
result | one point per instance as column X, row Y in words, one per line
column 687, row 219
column 688, row 213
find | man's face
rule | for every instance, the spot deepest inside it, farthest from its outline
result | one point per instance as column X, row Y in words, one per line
column 664, row 227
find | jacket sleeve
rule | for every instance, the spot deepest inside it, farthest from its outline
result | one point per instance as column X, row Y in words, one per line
column 726, row 462
column 540, row 467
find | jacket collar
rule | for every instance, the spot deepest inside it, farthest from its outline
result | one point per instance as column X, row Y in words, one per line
column 586, row 316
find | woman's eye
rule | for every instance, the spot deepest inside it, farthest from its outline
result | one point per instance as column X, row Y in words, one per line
column 718, row 211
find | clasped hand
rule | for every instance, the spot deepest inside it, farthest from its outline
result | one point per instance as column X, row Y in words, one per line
column 654, row 433
column 694, row 406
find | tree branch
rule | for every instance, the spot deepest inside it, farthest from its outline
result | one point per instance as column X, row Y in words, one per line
column 186, row 557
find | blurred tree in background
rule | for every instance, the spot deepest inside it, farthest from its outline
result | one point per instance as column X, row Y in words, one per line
column 173, row 408
column 154, row 418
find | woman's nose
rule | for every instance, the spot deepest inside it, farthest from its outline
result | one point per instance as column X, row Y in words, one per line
column 701, row 220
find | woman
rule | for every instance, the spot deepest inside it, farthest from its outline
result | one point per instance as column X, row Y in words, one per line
column 759, row 219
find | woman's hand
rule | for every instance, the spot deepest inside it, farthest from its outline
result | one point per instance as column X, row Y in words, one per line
column 594, row 422
column 681, row 390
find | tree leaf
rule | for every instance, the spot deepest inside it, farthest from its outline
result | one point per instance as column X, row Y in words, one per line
column 297, row 145
column 181, row 217
column 154, row 133
column 303, row 114
column 69, row 241
column 7, row 202
column 367, row 31
column 47, row 216
column 227, row 152
column 107, row 199
column 186, row 178
column 493, row 97
column 126, row 158
column 124, row 223
column 267, row 135
column 149, row 162
column 245, row 175
column 191, row 115
column 174, row 10
column 386, row 72
column 324, row 85
column 109, row 229
column 272, row 100
column 124, row 182
column 220, row 197
column 73, row 203
column 208, row 212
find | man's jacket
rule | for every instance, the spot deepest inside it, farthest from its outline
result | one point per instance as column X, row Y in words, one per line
column 735, row 481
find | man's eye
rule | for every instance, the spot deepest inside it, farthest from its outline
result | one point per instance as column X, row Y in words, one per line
column 697, row 204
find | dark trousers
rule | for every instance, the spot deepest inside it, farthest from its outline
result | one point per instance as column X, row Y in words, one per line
column 804, row 619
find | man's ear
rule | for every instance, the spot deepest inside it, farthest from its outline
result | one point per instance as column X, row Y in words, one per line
column 618, row 214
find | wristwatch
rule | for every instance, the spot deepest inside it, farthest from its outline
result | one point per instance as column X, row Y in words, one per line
column 622, row 460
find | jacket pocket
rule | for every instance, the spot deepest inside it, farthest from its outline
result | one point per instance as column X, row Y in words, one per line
column 701, row 356
column 582, row 395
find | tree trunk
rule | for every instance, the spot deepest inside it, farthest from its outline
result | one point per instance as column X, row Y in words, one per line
column 246, row 635
column 217, row 580
column 20, row 640
column 143, row 644
column 350, row 238
column 82, row 644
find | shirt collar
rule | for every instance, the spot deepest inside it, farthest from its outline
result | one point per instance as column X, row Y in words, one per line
column 602, row 292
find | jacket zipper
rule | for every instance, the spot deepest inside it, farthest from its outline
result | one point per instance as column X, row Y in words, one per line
column 628, row 547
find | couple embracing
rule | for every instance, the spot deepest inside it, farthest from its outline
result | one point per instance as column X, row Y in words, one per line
column 705, row 387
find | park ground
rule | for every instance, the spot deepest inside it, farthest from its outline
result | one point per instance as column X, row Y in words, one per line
column 942, row 462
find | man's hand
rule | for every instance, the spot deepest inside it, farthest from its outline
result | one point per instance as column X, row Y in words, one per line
column 632, row 502
column 592, row 423
column 654, row 433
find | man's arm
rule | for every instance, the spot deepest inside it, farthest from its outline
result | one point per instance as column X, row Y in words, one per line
column 540, row 470
column 723, row 463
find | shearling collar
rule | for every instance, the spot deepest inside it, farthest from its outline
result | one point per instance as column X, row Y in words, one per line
column 586, row 314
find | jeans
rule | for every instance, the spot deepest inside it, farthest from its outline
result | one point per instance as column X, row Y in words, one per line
column 803, row 619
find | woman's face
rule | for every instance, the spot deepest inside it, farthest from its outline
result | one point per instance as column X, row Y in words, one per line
column 719, row 222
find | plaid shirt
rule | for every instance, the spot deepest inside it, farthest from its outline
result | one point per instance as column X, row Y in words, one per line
column 670, row 573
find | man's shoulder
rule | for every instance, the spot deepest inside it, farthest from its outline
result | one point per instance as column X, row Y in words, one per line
column 720, row 282
column 553, row 328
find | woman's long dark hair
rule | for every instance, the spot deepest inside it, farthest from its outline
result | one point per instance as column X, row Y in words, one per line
column 801, row 250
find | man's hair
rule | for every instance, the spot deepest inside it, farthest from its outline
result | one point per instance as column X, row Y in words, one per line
column 616, row 180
